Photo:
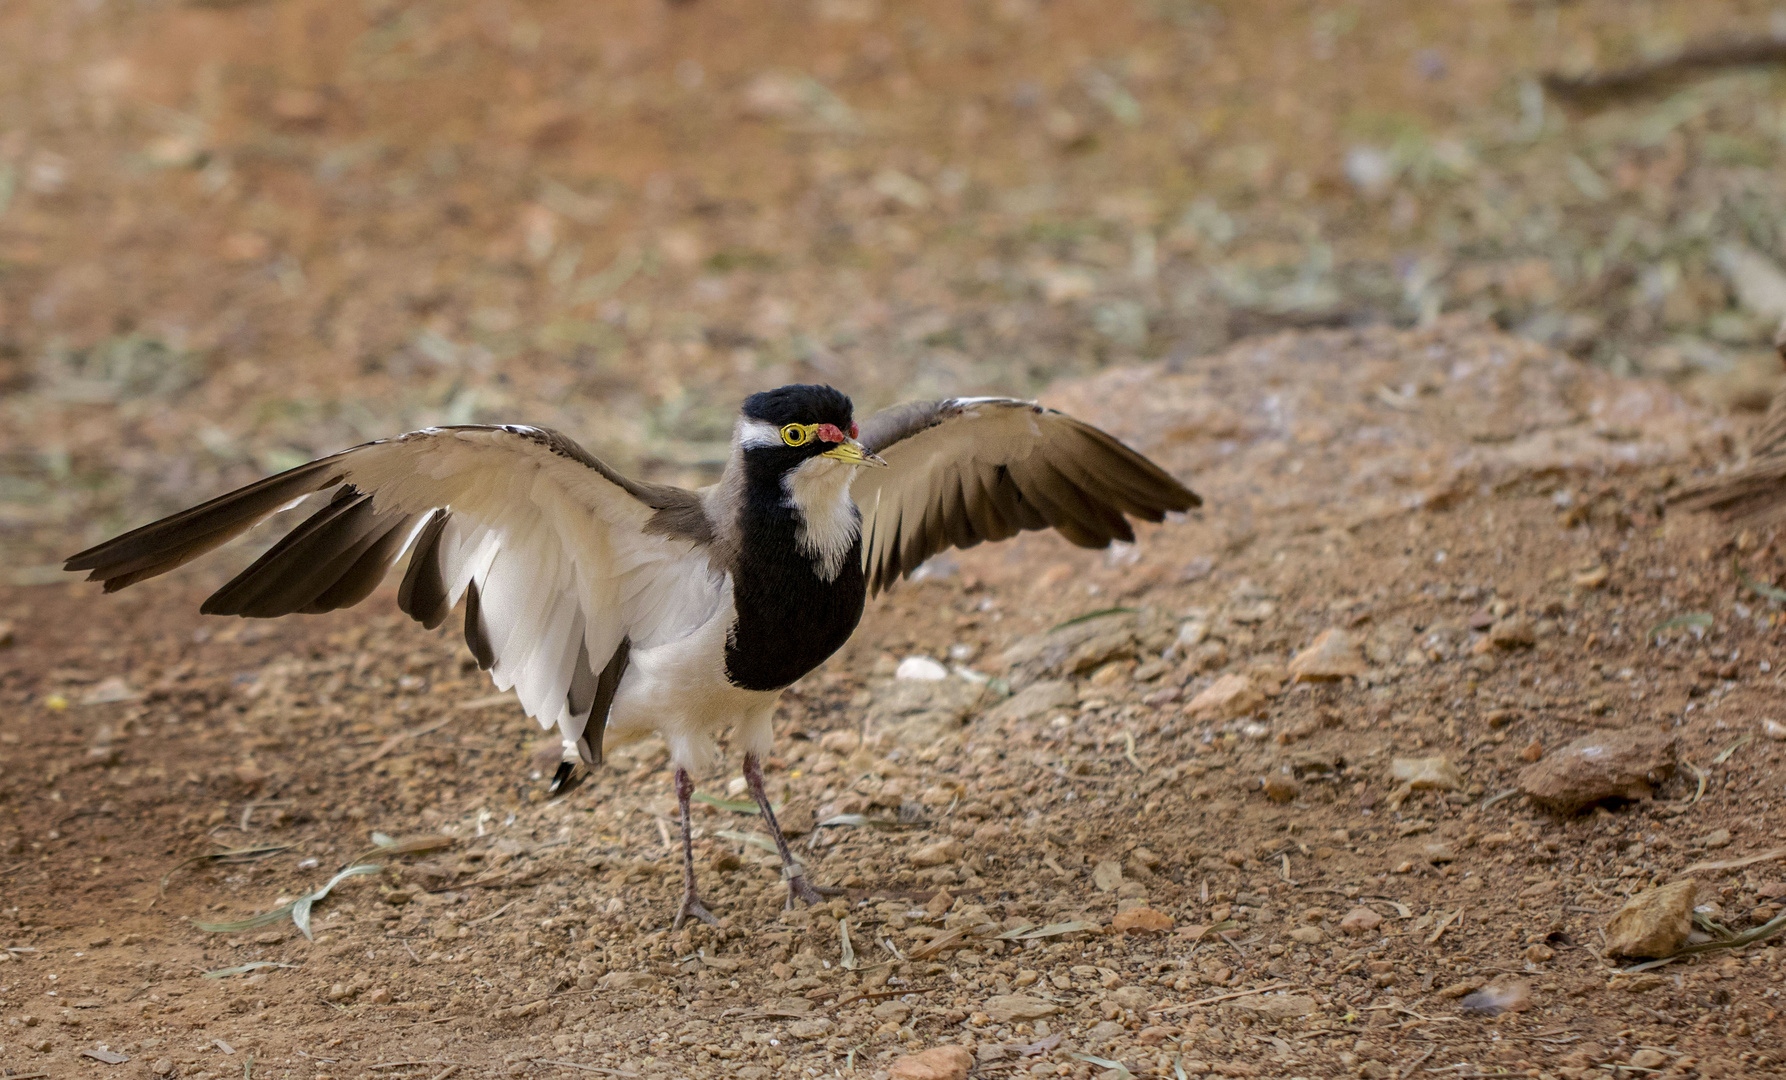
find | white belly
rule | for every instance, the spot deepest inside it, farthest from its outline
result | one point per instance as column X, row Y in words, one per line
column 680, row 691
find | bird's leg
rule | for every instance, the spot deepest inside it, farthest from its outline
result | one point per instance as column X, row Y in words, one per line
column 691, row 901
column 798, row 887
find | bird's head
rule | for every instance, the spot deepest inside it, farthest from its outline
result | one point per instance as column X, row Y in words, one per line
column 789, row 425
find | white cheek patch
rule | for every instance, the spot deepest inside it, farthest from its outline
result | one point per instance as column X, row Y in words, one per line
column 754, row 434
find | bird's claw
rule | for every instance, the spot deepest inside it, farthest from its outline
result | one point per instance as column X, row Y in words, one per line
column 691, row 905
column 567, row 779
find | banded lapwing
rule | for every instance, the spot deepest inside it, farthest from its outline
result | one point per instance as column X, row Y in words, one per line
column 615, row 608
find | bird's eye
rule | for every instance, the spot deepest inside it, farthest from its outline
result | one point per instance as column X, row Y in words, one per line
column 796, row 434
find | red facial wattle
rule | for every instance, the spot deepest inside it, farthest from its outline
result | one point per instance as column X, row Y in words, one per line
column 830, row 433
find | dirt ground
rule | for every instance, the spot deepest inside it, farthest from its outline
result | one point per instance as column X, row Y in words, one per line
column 1408, row 488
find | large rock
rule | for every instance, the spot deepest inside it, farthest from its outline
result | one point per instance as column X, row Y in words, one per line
column 938, row 853
column 1623, row 764
column 920, row 712
column 1426, row 773
column 1332, row 655
column 1035, row 700
column 936, row 1063
column 1655, row 922
column 1361, row 920
column 1075, row 649
column 1228, row 698
column 1277, row 1006
column 1006, row 1008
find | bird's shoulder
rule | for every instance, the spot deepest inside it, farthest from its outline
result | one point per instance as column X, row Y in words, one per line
column 896, row 423
column 679, row 512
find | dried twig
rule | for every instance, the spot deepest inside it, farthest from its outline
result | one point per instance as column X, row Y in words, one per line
column 951, row 940
column 493, row 914
column 604, row 1070
column 1408, row 1069
column 1444, row 924
column 243, row 854
column 1268, row 988
column 1701, row 56
column 1497, row 797
column 1724, row 755
column 876, row 995
column 1734, row 864
column 401, row 737
column 1697, row 771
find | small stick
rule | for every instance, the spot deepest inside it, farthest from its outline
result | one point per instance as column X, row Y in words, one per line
column 493, row 914
column 586, row 1068
column 1130, row 753
column 444, row 1073
column 1697, row 771
column 398, row 739
column 401, row 1064
column 872, row 996
column 1408, row 1069
column 1444, row 925
column 1223, row 997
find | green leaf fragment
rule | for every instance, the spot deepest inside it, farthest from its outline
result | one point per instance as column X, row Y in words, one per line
column 1702, row 619
column 298, row 910
column 1106, row 1063
column 1758, row 588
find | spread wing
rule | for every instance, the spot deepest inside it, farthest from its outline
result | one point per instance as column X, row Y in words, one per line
column 964, row 470
column 560, row 560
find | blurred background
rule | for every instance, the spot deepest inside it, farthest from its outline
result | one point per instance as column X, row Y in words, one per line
column 235, row 234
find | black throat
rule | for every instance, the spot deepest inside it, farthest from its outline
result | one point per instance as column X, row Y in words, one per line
column 789, row 617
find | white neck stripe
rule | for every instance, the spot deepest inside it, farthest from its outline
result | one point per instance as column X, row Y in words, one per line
column 753, row 434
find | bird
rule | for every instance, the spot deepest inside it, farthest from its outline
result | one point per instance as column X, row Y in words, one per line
column 614, row 607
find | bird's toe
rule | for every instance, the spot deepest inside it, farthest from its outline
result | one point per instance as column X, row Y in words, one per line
column 801, row 889
column 691, row 905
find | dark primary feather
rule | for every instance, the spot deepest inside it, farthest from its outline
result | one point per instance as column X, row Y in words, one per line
column 964, row 471
column 175, row 541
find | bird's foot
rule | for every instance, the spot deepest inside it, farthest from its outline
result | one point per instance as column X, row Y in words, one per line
column 801, row 889
column 691, row 905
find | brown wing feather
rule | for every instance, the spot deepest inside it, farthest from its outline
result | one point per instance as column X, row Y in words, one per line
column 964, row 471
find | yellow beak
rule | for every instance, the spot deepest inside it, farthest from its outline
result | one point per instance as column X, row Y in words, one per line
column 854, row 453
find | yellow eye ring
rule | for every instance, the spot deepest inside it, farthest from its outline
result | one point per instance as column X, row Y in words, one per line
column 797, row 434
